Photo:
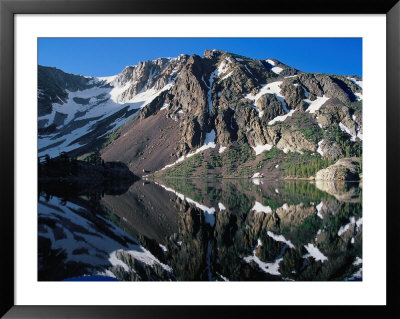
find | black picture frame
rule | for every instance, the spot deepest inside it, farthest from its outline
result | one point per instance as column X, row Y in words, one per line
column 9, row 8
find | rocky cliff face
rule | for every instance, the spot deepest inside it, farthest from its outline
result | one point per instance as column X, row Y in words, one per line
column 345, row 169
column 77, row 114
column 148, row 75
column 214, row 103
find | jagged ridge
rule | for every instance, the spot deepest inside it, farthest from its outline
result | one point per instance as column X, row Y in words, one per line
column 218, row 101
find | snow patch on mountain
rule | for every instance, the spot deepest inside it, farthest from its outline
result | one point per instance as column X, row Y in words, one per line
column 315, row 253
column 316, row 104
column 281, row 118
column 224, row 66
column 165, row 105
column 319, row 150
column 261, row 148
column 227, row 76
column 274, row 88
column 143, row 98
column 209, row 93
column 95, row 103
column 277, row 69
column 285, row 206
column 280, row 238
column 346, row 227
column 359, row 96
column 270, row 88
column 209, row 142
column 221, row 149
column 344, row 128
column 248, row 70
column 260, row 208
column 359, row 83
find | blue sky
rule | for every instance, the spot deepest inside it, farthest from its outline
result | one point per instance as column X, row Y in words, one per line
column 108, row 56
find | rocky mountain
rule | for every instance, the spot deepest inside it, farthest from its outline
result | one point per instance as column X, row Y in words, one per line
column 221, row 114
column 76, row 113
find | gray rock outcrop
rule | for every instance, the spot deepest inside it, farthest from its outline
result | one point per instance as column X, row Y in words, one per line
column 345, row 169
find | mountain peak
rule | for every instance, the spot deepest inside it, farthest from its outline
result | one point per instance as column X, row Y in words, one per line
column 263, row 104
column 209, row 54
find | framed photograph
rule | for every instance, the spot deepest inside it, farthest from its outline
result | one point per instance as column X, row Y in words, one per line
column 161, row 159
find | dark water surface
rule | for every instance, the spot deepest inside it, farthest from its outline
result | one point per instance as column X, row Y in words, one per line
column 190, row 230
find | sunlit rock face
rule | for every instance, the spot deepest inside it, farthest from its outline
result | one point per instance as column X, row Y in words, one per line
column 170, row 106
column 345, row 169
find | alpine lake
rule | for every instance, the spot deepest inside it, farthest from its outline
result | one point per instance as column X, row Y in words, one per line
column 203, row 230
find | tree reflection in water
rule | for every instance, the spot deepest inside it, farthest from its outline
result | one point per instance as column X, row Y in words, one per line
column 178, row 229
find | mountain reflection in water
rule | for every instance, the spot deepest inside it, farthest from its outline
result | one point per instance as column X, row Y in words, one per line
column 190, row 230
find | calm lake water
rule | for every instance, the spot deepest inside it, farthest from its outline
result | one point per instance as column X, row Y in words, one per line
column 208, row 230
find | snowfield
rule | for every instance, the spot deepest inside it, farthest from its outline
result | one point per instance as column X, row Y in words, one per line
column 84, row 108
